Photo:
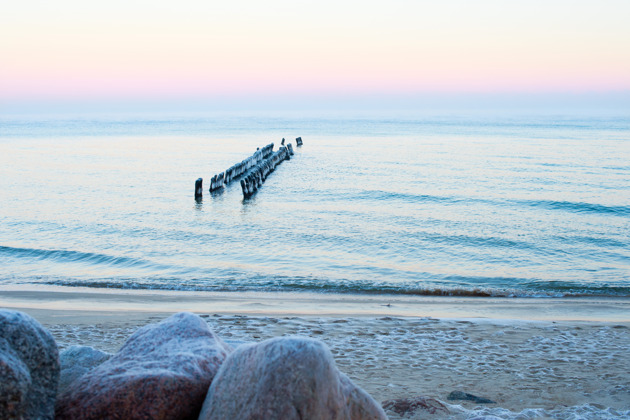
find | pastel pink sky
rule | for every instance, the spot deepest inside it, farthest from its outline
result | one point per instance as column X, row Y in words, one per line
column 70, row 49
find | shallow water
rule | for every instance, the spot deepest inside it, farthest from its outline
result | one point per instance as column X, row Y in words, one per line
column 528, row 206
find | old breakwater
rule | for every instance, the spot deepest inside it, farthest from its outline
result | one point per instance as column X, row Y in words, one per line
column 220, row 180
column 254, row 179
column 253, row 170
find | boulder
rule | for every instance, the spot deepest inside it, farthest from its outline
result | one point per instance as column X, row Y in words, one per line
column 76, row 361
column 460, row 395
column 408, row 406
column 285, row 378
column 29, row 368
column 161, row 372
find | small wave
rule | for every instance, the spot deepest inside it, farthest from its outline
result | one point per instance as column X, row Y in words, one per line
column 379, row 195
column 578, row 207
column 166, row 285
column 592, row 240
column 571, row 289
column 312, row 285
column 569, row 206
column 481, row 241
column 65, row 256
column 585, row 411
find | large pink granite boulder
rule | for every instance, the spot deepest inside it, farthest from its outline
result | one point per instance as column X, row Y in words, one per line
column 285, row 378
column 76, row 361
column 29, row 368
column 161, row 372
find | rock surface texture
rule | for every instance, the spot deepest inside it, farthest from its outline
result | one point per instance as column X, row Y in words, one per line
column 460, row 395
column 29, row 368
column 161, row 372
column 408, row 406
column 76, row 361
column 285, row 378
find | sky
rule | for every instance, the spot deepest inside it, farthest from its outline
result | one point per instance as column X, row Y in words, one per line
column 275, row 51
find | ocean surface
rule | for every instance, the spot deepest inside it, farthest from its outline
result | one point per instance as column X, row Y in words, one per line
column 528, row 206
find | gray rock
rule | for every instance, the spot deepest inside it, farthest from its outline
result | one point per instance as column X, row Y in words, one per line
column 29, row 368
column 285, row 378
column 459, row 395
column 76, row 361
column 408, row 406
column 161, row 372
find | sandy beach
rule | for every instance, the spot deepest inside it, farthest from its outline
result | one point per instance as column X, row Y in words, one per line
column 548, row 358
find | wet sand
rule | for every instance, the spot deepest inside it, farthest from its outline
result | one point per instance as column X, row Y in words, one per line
column 107, row 301
column 513, row 352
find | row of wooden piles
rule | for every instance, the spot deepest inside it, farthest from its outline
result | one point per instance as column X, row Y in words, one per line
column 257, row 176
column 224, row 178
column 253, row 170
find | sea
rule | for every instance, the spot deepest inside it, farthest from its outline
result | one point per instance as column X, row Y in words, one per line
column 529, row 206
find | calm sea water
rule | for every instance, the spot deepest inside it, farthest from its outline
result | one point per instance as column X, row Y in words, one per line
column 501, row 206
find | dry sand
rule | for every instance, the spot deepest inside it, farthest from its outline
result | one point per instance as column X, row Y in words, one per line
column 531, row 366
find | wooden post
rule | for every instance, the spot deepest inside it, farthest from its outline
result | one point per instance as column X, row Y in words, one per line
column 199, row 188
column 298, row 141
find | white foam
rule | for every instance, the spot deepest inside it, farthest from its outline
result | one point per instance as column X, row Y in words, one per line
column 577, row 412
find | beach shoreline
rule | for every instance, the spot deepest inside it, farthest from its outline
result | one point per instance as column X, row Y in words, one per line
column 60, row 299
column 514, row 352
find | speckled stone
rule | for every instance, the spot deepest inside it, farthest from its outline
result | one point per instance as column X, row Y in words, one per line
column 76, row 361
column 29, row 368
column 285, row 378
column 408, row 406
column 161, row 372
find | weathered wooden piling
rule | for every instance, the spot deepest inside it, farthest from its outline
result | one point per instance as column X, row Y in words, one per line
column 253, row 171
column 267, row 150
column 217, row 181
column 199, row 188
column 254, row 179
column 224, row 178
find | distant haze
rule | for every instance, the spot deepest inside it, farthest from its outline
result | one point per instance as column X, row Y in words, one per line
column 282, row 53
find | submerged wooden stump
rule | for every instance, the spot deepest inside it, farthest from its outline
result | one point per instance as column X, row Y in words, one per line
column 199, row 188
column 257, row 176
